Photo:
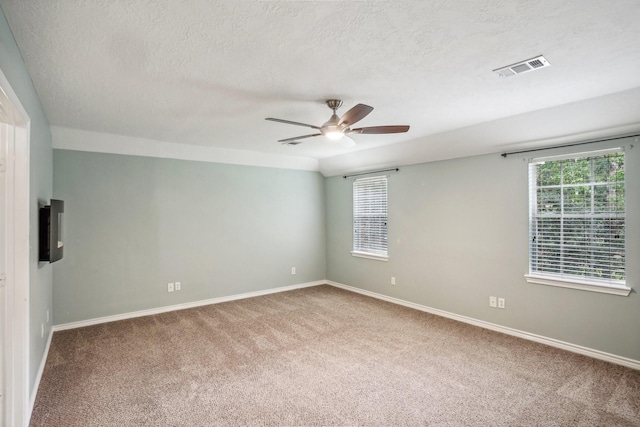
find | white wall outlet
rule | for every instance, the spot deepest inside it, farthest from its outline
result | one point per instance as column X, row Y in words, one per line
column 170, row 287
column 293, row 270
column 41, row 330
column 178, row 286
column 393, row 281
column 493, row 302
column 500, row 302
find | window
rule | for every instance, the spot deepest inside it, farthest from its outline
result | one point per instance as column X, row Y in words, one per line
column 370, row 217
column 577, row 221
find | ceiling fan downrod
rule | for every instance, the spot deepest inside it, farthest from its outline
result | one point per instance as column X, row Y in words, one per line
column 331, row 128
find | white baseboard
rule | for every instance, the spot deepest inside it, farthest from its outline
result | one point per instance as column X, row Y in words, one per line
column 596, row 354
column 183, row 306
column 43, row 362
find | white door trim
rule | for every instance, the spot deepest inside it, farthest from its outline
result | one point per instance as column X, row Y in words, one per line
column 17, row 403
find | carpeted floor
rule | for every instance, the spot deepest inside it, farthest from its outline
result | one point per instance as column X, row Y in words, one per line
column 321, row 356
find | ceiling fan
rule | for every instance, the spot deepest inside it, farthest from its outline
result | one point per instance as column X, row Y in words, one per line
column 337, row 128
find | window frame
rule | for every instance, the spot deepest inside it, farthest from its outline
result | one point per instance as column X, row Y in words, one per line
column 587, row 283
column 358, row 250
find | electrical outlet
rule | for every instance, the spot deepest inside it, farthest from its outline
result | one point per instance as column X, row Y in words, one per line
column 178, row 286
column 293, row 270
column 41, row 330
column 393, row 281
column 493, row 302
column 500, row 302
column 170, row 287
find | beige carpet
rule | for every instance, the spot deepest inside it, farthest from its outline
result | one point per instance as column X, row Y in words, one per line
column 321, row 356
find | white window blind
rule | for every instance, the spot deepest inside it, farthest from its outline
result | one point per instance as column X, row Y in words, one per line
column 577, row 218
column 370, row 216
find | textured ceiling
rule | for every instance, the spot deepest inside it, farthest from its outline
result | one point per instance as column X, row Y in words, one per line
column 207, row 73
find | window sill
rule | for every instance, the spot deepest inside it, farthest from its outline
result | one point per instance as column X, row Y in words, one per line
column 574, row 284
column 370, row 256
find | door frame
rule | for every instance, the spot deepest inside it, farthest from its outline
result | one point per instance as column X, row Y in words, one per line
column 17, row 408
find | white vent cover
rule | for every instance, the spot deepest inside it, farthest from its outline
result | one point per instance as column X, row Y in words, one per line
column 523, row 66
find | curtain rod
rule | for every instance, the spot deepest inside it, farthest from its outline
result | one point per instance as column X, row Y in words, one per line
column 569, row 145
column 369, row 173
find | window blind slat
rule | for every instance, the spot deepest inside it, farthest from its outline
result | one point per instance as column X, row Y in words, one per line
column 370, row 215
column 577, row 217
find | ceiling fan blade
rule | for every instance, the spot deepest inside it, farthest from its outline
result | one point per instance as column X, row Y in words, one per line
column 354, row 115
column 295, row 138
column 289, row 122
column 381, row 129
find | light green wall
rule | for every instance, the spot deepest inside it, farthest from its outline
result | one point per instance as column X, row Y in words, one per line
column 458, row 234
column 40, row 181
column 133, row 224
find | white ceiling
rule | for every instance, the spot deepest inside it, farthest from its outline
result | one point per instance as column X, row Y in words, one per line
column 204, row 74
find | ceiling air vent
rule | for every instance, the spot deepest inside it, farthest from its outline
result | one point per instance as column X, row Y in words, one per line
column 523, row 66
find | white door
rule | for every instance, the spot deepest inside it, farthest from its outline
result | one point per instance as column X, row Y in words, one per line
column 14, row 259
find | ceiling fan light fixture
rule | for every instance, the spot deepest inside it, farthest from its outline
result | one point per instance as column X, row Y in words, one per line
column 331, row 129
column 334, row 134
